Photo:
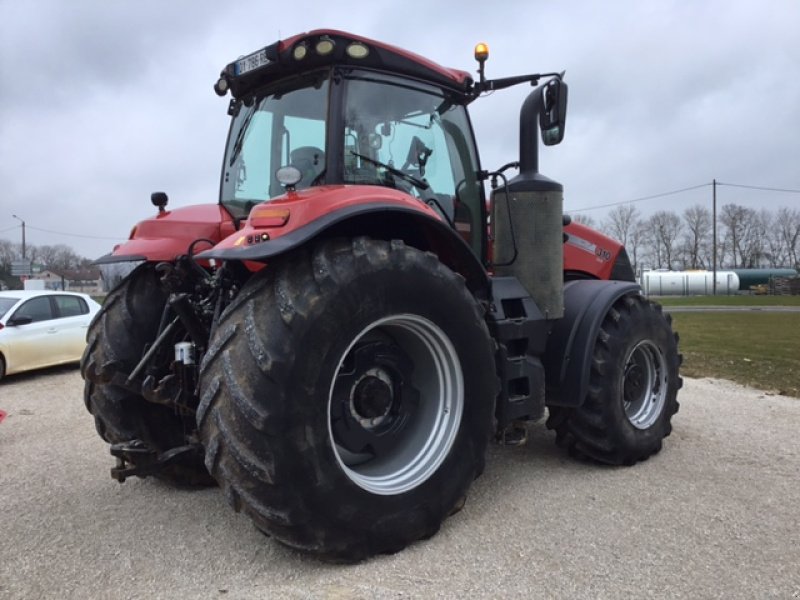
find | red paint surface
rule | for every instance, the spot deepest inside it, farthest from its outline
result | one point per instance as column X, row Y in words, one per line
column 597, row 262
column 308, row 205
column 168, row 234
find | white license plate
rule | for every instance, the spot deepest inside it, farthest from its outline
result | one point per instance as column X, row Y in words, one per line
column 251, row 62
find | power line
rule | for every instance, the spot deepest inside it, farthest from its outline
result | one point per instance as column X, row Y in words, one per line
column 9, row 229
column 643, row 198
column 688, row 189
column 91, row 237
column 758, row 187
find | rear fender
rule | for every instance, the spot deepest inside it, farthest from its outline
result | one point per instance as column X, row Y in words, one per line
column 568, row 357
column 377, row 220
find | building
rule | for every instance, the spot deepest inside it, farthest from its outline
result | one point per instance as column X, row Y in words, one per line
column 88, row 281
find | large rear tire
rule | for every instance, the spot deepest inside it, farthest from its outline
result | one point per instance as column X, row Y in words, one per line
column 633, row 387
column 127, row 321
column 347, row 398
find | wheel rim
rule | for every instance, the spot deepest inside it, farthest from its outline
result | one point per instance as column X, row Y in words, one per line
column 644, row 384
column 395, row 404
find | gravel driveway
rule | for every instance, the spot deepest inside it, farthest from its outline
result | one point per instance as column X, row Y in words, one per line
column 716, row 514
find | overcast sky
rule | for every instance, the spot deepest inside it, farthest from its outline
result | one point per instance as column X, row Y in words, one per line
column 103, row 102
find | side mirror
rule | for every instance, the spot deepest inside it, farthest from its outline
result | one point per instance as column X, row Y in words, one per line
column 160, row 200
column 17, row 321
column 553, row 116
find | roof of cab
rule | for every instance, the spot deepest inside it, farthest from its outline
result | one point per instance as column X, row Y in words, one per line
column 380, row 56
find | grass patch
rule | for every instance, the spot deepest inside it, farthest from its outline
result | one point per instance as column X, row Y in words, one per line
column 761, row 350
column 738, row 300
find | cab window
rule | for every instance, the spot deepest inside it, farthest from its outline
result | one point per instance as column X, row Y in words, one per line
column 411, row 137
column 270, row 131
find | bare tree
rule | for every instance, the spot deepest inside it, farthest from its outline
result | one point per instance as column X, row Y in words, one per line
column 665, row 228
column 584, row 220
column 636, row 244
column 621, row 222
column 788, row 222
column 744, row 235
column 7, row 255
column 696, row 237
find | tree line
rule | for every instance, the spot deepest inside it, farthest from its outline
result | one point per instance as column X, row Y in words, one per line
column 746, row 238
column 59, row 257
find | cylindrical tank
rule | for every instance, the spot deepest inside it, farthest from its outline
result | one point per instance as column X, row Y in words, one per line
column 688, row 283
column 528, row 243
column 751, row 277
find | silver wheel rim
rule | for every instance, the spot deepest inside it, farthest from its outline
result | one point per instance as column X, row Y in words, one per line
column 644, row 384
column 429, row 429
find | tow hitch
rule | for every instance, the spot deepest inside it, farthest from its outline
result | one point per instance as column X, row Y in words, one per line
column 148, row 461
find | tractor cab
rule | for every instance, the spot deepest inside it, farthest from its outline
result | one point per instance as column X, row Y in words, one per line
column 330, row 109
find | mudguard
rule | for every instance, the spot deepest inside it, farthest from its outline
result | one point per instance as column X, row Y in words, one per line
column 383, row 220
column 568, row 356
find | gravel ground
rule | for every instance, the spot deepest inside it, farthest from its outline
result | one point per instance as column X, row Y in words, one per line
column 716, row 515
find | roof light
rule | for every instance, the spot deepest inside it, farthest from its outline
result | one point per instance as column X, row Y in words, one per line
column 481, row 52
column 357, row 50
column 221, row 87
column 324, row 46
column 300, row 51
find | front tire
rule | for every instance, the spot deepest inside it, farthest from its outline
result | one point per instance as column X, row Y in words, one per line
column 347, row 398
column 633, row 387
column 116, row 340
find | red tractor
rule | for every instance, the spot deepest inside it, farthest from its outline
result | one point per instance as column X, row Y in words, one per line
column 335, row 342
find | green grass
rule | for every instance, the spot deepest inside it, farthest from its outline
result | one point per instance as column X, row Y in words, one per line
column 761, row 350
column 738, row 300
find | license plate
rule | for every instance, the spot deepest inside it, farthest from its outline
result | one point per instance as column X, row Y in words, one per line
column 251, row 62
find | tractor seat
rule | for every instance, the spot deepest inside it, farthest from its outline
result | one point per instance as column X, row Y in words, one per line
column 310, row 161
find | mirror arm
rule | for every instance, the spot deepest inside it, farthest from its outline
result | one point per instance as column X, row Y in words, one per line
column 490, row 85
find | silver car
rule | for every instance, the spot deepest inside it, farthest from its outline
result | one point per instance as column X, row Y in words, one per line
column 42, row 328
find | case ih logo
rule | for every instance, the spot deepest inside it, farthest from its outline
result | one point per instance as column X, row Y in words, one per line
column 587, row 246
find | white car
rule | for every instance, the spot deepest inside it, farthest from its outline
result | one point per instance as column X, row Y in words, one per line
column 42, row 329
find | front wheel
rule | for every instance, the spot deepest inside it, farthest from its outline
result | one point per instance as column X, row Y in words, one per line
column 347, row 397
column 633, row 387
column 117, row 338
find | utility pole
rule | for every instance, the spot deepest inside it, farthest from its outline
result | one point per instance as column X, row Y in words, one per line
column 714, row 230
column 23, row 234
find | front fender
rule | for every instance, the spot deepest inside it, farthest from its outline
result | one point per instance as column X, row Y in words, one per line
column 167, row 235
column 568, row 357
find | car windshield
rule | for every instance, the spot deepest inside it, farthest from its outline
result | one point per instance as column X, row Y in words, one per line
column 6, row 304
column 272, row 130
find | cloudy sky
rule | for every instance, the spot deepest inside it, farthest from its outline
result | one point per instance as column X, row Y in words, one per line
column 103, row 102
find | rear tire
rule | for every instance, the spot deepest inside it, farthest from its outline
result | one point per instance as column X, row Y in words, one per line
column 633, row 388
column 127, row 321
column 347, row 398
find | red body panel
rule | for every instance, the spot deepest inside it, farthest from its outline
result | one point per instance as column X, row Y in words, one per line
column 457, row 75
column 168, row 235
column 308, row 205
column 589, row 252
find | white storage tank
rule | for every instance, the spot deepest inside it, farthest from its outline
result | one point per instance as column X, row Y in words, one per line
column 688, row 283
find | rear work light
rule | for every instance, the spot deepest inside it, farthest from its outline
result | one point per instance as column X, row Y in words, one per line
column 269, row 217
